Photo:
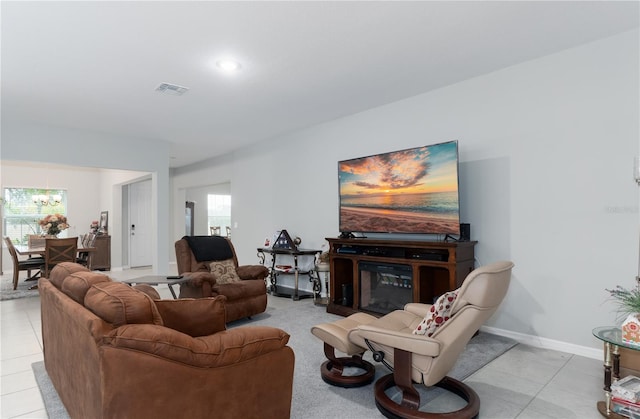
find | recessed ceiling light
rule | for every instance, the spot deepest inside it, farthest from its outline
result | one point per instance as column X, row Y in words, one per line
column 228, row 66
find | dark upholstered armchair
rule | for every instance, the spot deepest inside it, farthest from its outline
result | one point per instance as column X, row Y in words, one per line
column 212, row 266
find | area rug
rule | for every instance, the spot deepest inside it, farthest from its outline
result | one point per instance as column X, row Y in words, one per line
column 8, row 293
column 312, row 397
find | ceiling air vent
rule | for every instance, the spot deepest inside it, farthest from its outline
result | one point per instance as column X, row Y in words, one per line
column 171, row 89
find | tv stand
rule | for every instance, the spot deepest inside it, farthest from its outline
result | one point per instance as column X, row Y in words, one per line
column 435, row 267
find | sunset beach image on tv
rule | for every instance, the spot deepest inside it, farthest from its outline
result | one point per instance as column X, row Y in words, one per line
column 406, row 191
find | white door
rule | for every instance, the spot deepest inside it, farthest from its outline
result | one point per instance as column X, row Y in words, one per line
column 140, row 233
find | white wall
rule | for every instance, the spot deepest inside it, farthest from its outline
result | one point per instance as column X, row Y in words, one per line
column 200, row 197
column 89, row 191
column 79, row 184
column 215, row 172
column 546, row 159
column 25, row 141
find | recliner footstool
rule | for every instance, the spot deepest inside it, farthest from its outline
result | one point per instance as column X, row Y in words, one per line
column 335, row 335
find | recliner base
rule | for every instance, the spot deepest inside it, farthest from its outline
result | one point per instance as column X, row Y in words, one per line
column 331, row 372
column 393, row 410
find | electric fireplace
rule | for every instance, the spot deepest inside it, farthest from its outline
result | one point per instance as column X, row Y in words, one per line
column 384, row 287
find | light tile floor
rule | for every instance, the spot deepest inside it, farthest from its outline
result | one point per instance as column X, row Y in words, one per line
column 524, row 383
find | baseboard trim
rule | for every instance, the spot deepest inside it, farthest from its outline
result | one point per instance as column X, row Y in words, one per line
column 539, row 342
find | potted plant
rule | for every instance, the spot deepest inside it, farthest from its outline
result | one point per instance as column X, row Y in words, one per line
column 628, row 302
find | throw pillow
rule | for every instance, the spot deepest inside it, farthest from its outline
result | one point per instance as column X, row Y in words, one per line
column 438, row 314
column 224, row 271
column 195, row 317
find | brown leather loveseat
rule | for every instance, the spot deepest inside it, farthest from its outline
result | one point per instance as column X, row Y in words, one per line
column 212, row 265
column 114, row 351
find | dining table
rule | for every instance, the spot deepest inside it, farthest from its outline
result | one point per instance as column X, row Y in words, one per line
column 26, row 250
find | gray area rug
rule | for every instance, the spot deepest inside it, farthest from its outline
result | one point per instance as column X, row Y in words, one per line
column 8, row 293
column 55, row 408
column 312, row 397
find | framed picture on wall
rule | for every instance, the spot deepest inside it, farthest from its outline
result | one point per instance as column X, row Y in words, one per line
column 104, row 222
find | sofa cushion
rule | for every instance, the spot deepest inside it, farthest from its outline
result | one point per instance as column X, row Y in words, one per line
column 63, row 270
column 229, row 347
column 438, row 314
column 224, row 271
column 117, row 303
column 195, row 317
column 77, row 284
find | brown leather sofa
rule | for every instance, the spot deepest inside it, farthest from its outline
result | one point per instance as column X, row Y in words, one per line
column 114, row 351
column 246, row 296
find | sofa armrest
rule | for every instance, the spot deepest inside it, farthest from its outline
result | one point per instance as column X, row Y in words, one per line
column 213, row 351
column 252, row 271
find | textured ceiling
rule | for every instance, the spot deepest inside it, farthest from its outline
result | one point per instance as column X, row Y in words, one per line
column 95, row 65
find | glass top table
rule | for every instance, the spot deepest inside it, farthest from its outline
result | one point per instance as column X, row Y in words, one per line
column 613, row 335
column 159, row 279
column 612, row 338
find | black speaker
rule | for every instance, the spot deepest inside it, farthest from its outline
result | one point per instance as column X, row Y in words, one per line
column 465, row 232
column 347, row 295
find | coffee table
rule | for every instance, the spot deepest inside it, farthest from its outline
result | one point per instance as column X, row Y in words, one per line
column 612, row 338
column 158, row 280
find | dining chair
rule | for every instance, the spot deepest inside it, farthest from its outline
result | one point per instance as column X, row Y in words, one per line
column 215, row 230
column 228, row 232
column 58, row 251
column 88, row 240
column 22, row 265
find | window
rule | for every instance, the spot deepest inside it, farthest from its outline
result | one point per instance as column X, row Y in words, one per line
column 219, row 211
column 24, row 207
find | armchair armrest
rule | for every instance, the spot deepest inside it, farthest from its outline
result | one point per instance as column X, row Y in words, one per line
column 203, row 281
column 197, row 279
column 213, row 351
column 419, row 309
column 252, row 271
column 418, row 344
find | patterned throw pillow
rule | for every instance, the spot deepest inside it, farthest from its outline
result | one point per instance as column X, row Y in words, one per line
column 437, row 315
column 224, row 271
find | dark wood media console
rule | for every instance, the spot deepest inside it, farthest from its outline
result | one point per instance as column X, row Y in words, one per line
column 436, row 267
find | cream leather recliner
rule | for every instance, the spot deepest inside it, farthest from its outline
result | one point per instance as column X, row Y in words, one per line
column 415, row 344
column 427, row 360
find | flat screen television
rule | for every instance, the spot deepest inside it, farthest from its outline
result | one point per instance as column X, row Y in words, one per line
column 406, row 191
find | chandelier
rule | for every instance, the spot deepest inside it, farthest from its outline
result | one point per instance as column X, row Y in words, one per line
column 44, row 200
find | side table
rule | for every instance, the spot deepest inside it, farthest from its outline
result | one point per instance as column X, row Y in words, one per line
column 294, row 270
column 612, row 338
